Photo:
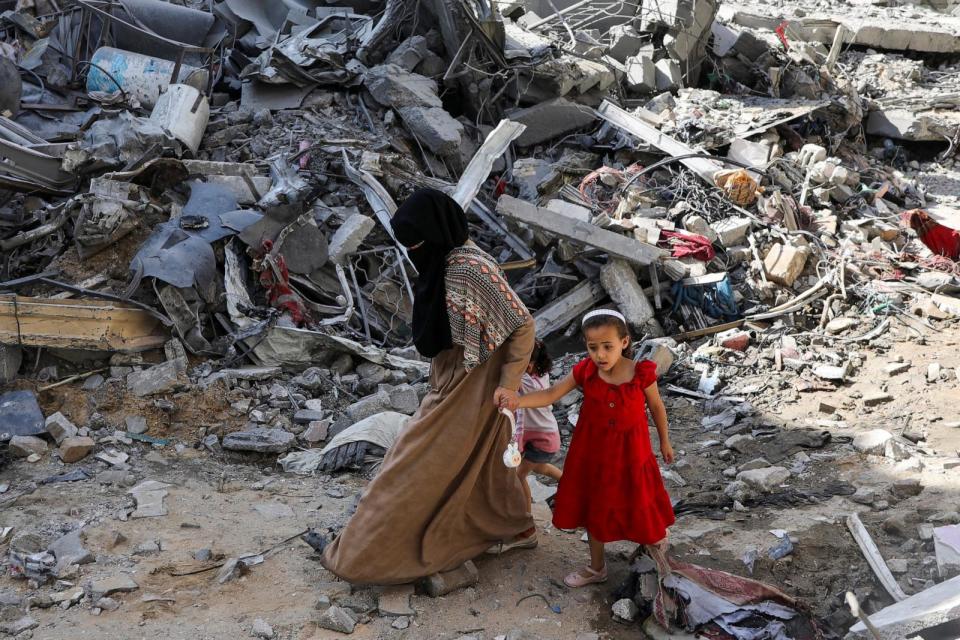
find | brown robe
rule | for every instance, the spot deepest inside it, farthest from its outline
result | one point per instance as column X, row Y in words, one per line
column 443, row 494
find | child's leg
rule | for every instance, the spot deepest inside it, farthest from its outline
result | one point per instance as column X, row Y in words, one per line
column 597, row 562
column 523, row 471
column 547, row 469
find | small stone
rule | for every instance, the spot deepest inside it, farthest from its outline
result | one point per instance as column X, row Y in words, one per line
column 26, row 446
column 440, row 584
column 839, row 325
column 826, row 407
column 259, row 440
column 896, row 525
column 58, row 426
column 107, row 604
column 925, row 532
column 262, row 630
column 864, row 495
column 766, row 480
column 896, row 368
column 305, row 416
column 76, row 448
column 876, row 397
column 625, row 610
column 92, row 383
column 401, row 623
column 337, row 619
column 113, row 584
column 69, row 549
column 898, row 565
column 730, row 472
column 736, row 341
column 18, row 626
column 875, row 442
column 395, row 601
column 202, row 555
column 136, row 424
column 316, row 431
column 906, row 488
column 756, row 463
column 933, row 372
column 733, row 442
column 147, row 548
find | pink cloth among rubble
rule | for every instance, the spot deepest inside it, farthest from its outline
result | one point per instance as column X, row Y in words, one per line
column 719, row 600
column 683, row 244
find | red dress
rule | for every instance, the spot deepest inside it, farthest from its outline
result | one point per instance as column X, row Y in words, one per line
column 611, row 482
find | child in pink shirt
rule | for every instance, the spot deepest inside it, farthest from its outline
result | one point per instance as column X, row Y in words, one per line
column 541, row 434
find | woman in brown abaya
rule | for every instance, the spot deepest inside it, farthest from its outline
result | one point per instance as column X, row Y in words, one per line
column 443, row 494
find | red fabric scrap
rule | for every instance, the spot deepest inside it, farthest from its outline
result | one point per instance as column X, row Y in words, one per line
column 275, row 278
column 683, row 244
column 781, row 32
column 941, row 240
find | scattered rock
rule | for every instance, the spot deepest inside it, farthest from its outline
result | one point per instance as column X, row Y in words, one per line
column 874, row 398
column 766, row 480
column 625, row 610
column 25, row 446
column 259, row 440
column 58, row 426
column 403, row 622
column 114, row 584
column 262, row 630
column 395, row 601
column 876, row 442
column 337, row 619
column 906, row 488
column 136, row 424
column 107, row 604
column 76, row 448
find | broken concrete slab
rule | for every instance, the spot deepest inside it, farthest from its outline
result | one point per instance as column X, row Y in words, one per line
column 551, row 119
column 616, row 245
column 561, row 312
column 259, row 440
column 111, row 585
column 160, row 378
column 149, row 497
column 641, row 73
column 434, row 128
column 929, row 608
column 620, row 281
column 348, row 238
column 440, row 584
column 69, row 549
column 392, row 86
column 395, row 601
column 337, row 619
column 946, row 545
column 668, row 75
column 765, row 479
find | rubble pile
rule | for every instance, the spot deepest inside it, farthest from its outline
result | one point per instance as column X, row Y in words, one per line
column 194, row 230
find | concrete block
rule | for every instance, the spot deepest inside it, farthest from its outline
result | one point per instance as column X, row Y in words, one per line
column 76, row 448
column 668, row 75
column 434, row 128
column 348, row 238
column 570, row 210
column 60, row 427
column 440, row 584
column 766, row 479
column 784, row 263
column 946, row 544
column 626, row 42
column 876, row 442
column 395, row 601
column 409, row 53
column 620, row 281
column 26, row 446
column 337, row 619
column 392, row 86
column 641, row 74
column 731, row 231
column 259, row 440
column 551, row 119
column 159, row 378
column 929, row 608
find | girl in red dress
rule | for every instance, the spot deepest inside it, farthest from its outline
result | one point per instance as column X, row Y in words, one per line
column 611, row 482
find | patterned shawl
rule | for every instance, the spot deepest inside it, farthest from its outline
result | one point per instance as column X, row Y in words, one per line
column 483, row 310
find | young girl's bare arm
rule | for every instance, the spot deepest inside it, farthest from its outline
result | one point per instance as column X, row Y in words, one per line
column 659, row 413
column 547, row 397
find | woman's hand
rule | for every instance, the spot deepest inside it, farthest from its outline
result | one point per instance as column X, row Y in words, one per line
column 506, row 399
column 666, row 450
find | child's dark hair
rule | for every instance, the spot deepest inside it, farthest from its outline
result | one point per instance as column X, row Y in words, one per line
column 540, row 359
column 610, row 321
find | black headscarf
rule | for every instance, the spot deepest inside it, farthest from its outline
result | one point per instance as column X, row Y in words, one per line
column 435, row 219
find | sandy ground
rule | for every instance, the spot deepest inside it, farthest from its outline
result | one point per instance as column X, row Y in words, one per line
column 213, row 503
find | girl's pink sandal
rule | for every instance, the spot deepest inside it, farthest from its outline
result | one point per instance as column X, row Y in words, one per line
column 577, row 579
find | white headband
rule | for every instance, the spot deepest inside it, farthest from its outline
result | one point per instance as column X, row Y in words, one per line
column 603, row 312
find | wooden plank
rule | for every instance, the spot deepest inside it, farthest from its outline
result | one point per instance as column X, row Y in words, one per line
column 635, row 126
column 568, row 228
column 78, row 324
column 567, row 308
column 874, row 559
